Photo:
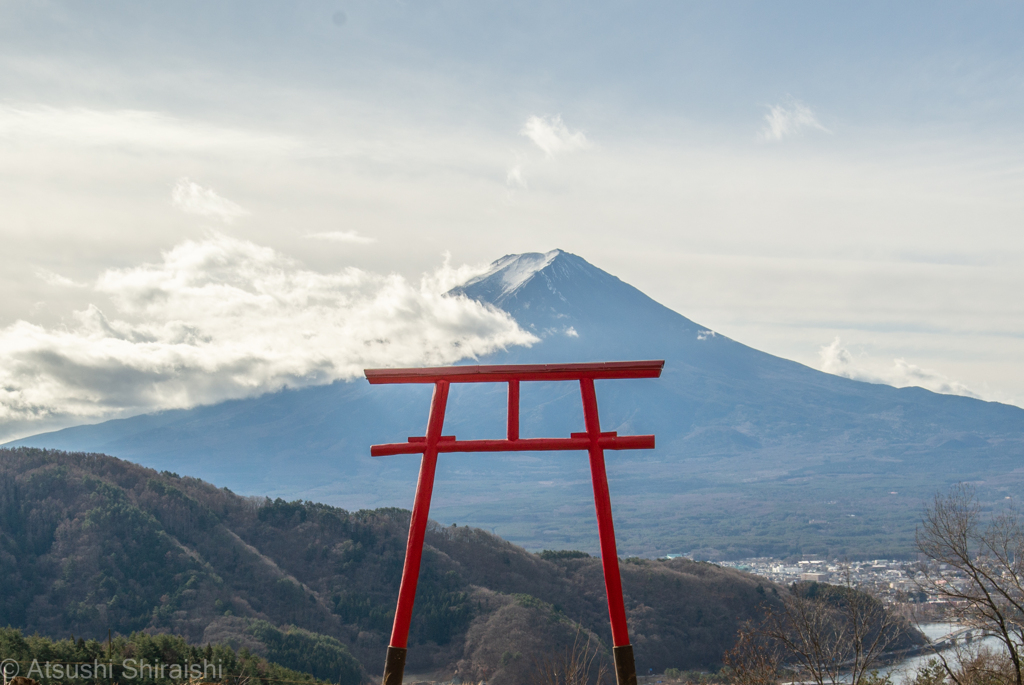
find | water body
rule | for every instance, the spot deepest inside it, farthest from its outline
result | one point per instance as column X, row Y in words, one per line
column 905, row 670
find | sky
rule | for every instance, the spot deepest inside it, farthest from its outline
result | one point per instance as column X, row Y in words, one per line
column 212, row 200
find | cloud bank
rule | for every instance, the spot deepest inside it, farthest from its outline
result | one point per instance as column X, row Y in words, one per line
column 224, row 318
column 837, row 360
column 192, row 198
column 783, row 122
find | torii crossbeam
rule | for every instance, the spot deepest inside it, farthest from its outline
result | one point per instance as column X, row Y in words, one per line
column 433, row 443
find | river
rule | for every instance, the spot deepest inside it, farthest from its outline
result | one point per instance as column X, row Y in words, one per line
column 904, row 671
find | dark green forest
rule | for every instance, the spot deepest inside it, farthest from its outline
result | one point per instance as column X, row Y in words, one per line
column 91, row 544
column 155, row 660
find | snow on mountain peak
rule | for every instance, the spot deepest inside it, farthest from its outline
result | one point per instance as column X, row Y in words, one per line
column 516, row 269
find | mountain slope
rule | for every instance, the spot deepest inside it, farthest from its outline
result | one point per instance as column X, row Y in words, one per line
column 90, row 543
column 756, row 454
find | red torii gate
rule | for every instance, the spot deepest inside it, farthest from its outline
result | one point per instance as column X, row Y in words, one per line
column 433, row 443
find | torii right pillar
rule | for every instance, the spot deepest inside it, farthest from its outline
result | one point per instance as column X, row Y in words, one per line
column 622, row 650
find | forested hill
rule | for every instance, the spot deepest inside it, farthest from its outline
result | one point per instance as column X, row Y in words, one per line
column 145, row 659
column 90, row 543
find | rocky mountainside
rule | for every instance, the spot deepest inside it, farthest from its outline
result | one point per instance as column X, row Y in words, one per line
column 756, row 454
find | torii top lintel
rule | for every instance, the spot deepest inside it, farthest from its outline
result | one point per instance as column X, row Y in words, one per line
column 518, row 372
column 513, row 374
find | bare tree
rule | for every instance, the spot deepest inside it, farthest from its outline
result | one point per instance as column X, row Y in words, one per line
column 986, row 558
column 827, row 633
column 755, row 659
column 574, row 666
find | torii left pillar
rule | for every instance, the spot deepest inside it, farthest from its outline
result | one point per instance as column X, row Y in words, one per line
column 593, row 441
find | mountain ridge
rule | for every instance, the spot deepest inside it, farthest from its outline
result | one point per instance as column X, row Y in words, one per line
column 749, row 444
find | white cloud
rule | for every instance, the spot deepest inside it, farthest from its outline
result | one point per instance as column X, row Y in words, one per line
column 126, row 128
column 342, row 237
column 515, row 178
column 192, row 198
column 705, row 335
column 225, row 318
column 782, row 121
column 51, row 278
column 447, row 277
column 552, row 136
column 837, row 360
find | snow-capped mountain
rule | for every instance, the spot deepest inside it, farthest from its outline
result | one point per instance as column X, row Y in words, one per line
column 750, row 446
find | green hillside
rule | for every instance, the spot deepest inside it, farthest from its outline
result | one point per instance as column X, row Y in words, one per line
column 90, row 543
column 150, row 660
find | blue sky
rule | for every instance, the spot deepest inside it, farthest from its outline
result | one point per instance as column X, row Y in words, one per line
column 836, row 184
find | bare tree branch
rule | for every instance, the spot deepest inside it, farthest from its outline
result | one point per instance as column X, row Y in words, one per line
column 987, row 559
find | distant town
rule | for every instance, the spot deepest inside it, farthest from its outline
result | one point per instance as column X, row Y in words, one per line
column 892, row 581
